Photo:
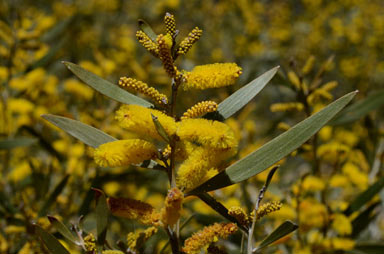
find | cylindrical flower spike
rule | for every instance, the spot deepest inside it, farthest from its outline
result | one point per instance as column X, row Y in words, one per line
column 148, row 44
column 141, row 87
column 200, row 109
column 209, row 234
column 207, row 132
column 133, row 209
column 165, row 43
column 211, row 76
column 138, row 119
column 268, row 208
column 187, row 42
column 170, row 24
column 287, row 106
column 90, row 243
column 124, row 152
column 172, row 207
column 136, row 239
column 193, row 169
column 239, row 214
column 201, row 161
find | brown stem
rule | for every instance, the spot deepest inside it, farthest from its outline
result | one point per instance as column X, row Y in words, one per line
column 173, row 240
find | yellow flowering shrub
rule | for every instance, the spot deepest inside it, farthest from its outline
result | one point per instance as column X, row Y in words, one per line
column 175, row 136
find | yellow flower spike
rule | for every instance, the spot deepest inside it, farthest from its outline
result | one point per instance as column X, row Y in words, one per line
column 90, row 243
column 187, row 42
column 147, row 43
column 288, row 106
column 268, row 208
column 133, row 209
column 138, row 119
column 239, row 214
column 170, row 24
column 141, row 87
column 211, row 76
column 124, row 152
column 200, row 109
column 136, row 239
column 165, row 43
column 193, row 169
column 308, row 66
column 208, row 235
column 199, row 163
column 112, row 252
column 341, row 224
column 294, row 79
column 173, row 205
column 207, row 133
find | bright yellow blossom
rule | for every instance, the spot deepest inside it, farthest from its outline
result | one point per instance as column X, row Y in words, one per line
column 208, row 235
column 207, row 132
column 138, row 119
column 211, row 76
column 341, row 224
column 170, row 213
column 124, row 152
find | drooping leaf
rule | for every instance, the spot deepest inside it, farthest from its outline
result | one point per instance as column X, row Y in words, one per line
column 365, row 197
column 102, row 213
column 52, row 244
column 146, row 28
column 53, row 196
column 241, row 97
column 274, row 150
column 368, row 248
column 283, row 230
column 105, row 87
column 85, row 133
column 16, row 142
column 359, row 109
column 62, row 229
column 363, row 220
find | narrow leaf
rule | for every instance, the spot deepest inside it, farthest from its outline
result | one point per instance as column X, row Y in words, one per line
column 283, row 230
column 270, row 176
column 219, row 208
column 16, row 142
column 370, row 248
column 160, row 129
column 359, row 109
column 52, row 244
column 53, row 196
column 241, row 97
column 102, row 213
column 105, row 87
column 62, row 229
column 365, row 197
column 146, row 28
column 274, row 150
column 363, row 220
column 85, row 133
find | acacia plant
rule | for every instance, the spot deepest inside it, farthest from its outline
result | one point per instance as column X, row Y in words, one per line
column 193, row 149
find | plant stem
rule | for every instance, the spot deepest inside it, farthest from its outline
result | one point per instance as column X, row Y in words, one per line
column 173, row 239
